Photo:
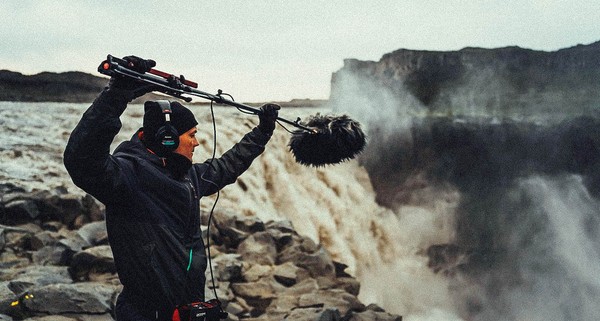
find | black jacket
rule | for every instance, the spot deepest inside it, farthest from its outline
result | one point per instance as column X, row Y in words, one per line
column 152, row 218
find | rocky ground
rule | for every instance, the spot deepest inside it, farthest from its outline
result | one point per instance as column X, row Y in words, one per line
column 56, row 264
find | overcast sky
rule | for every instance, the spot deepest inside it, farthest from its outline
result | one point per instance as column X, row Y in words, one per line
column 275, row 50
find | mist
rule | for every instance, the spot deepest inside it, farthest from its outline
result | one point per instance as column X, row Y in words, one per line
column 504, row 203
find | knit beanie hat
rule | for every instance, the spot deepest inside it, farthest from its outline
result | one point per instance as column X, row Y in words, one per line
column 181, row 118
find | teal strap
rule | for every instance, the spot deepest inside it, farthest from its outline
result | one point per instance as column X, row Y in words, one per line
column 190, row 263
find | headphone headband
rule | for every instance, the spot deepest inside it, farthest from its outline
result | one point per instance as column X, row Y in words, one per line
column 165, row 106
column 167, row 134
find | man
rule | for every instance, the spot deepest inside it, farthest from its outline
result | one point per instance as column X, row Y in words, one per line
column 152, row 190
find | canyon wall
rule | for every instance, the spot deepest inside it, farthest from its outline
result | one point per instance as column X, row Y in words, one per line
column 471, row 81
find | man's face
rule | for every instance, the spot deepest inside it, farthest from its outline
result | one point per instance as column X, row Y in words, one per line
column 187, row 143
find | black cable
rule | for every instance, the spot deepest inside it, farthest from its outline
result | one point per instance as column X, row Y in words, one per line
column 210, row 215
column 220, row 93
column 287, row 130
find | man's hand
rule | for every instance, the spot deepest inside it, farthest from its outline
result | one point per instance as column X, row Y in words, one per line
column 128, row 84
column 267, row 116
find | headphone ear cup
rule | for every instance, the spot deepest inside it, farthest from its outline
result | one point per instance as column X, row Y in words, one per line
column 167, row 137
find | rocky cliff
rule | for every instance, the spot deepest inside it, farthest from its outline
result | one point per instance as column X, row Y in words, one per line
column 69, row 87
column 48, row 86
column 502, row 81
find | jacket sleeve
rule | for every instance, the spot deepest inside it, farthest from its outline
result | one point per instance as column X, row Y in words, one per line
column 86, row 155
column 226, row 169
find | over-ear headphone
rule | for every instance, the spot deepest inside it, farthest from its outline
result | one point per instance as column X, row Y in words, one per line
column 167, row 135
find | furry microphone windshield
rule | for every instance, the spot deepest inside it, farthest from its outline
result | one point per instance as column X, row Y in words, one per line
column 335, row 139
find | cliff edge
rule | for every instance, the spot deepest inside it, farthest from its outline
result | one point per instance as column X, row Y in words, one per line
column 49, row 86
column 495, row 81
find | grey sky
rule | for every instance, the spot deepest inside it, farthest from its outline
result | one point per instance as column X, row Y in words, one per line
column 275, row 50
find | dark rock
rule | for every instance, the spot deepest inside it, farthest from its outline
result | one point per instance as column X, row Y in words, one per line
column 318, row 263
column 230, row 229
column 371, row 315
column 348, row 284
column 9, row 188
column 258, row 248
column 92, row 208
column 57, row 205
column 87, row 297
column 332, row 298
column 20, row 211
column 74, row 242
column 41, row 239
column 23, row 280
column 13, row 237
column 447, row 259
column 262, row 289
column 52, row 255
column 287, row 273
column 282, row 239
column 284, row 226
column 340, row 269
column 63, row 207
column 283, row 304
column 7, row 296
column 256, row 272
column 9, row 259
column 85, row 265
column 90, row 317
column 52, row 318
column 228, row 267
column 53, row 226
column 313, row 314
column 94, row 233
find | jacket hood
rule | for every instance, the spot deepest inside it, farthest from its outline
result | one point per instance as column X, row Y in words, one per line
column 136, row 148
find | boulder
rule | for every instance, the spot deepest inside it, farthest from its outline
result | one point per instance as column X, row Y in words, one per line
column 41, row 239
column 6, row 297
column 21, row 207
column 228, row 267
column 52, row 255
column 287, row 273
column 229, row 229
column 13, row 237
column 371, row 315
column 87, row 264
column 262, row 289
column 23, row 280
column 314, row 259
column 255, row 272
column 94, row 233
column 313, row 313
column 332, row 298
column 19, row 211
column 86, row 297
column 258, row 248
column 52, row 318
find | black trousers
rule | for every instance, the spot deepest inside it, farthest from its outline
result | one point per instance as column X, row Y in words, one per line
column 126, row 311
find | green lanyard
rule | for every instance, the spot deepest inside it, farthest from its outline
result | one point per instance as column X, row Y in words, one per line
column 190, row 263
